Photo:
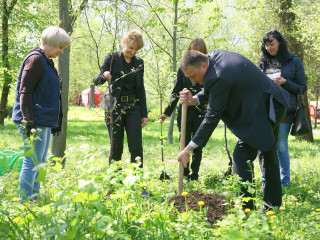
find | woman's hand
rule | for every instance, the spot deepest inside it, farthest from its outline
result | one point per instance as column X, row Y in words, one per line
column 280, row 80
column 144, row 122
column 106, row 75
column 163, row 117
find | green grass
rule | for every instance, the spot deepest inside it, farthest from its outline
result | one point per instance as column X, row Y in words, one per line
column 73, row 204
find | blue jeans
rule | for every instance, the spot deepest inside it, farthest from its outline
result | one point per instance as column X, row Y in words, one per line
column 28, row 186
column 283, row 153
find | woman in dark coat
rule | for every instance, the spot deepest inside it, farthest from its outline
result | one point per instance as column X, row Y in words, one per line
column 127, row 102
column 286, row 70
column 194, row 114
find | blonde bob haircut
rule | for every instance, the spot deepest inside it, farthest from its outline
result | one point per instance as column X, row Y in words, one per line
column 55, row 37
column 199, row 45
column 133, row 35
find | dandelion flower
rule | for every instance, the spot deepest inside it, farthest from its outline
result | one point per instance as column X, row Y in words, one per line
column 273, row 216
column 69, row 171
column 200, row 203
column 120, row 162
column 17, row 219
column 318, row 210
column 24, row 207
column 269, row 213
column 247, row 210
column 15, row 199
column 184, row 194
column 202, row 182
column 281, row 208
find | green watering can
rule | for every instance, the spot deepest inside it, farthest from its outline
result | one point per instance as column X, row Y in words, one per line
column 10, row 160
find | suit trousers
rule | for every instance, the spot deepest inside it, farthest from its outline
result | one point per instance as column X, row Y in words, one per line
column 244, row 155
column 194, row 119
column 126, row 116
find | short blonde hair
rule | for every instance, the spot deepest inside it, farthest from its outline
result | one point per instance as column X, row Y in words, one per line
column 55, row 37
column 198, row 44
column 133, row 35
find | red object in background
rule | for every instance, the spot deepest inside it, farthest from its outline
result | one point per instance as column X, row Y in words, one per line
column 312, row 111
column 74, row 98
column 85, row 96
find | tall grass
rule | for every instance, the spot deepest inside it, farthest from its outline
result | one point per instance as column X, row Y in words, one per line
column 73, row 203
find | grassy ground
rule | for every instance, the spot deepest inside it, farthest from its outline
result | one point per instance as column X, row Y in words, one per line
column 87, row 165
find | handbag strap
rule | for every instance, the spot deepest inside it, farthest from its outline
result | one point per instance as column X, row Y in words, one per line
column 299, row 101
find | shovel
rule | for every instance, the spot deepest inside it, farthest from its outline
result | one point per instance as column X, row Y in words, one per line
column 182, row 145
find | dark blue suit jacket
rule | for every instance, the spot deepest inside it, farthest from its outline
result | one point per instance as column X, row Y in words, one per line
column 236, row 91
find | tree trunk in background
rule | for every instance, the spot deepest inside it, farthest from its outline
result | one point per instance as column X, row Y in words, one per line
column 92, row 102
column 6, row 10
column 66, row 18
column 291, row 33
column 59, row 142
column 174, row 66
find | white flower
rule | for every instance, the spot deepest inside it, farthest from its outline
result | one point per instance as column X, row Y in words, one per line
column 33, row 130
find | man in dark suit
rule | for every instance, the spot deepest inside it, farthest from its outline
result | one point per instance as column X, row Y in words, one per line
column 249, row 103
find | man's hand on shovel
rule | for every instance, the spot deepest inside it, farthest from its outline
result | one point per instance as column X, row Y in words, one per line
column 186, row 97
column 184, row 158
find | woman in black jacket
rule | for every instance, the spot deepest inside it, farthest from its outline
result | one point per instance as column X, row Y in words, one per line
column 286, row 70
column 127, row 102
column 194, row 114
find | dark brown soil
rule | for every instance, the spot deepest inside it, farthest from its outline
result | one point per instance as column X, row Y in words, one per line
column 214, row 203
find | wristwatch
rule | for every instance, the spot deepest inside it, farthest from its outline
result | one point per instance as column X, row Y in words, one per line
column 189, row 152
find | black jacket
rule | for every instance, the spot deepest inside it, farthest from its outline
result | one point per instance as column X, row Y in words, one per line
column 296, row 83
column 181, row 83
column 117, row 80
column 236, row 90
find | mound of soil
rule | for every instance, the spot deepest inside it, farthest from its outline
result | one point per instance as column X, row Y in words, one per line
column 214, row 203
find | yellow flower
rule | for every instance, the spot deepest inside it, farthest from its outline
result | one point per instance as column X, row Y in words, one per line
column 15, row 199
column 273, row 216
column 202, row 182
column 120, row 162
column 69, row 171
column 17, row 219
column 318, row 210
column 269, row 213
column 200, row 203
column 247, row 210
column 24, row 207
column 238, row 207
column 281, row 208
column 184, row 194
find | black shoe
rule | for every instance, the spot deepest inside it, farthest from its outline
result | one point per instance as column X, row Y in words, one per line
column 193, row 177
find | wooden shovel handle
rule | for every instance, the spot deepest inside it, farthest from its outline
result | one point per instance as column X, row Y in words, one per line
column 182, row 145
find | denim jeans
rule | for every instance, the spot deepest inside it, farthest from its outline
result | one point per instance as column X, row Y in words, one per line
column 28, row 187
column 283, row 153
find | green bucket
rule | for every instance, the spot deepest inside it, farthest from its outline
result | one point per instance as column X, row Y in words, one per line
column 10, row 161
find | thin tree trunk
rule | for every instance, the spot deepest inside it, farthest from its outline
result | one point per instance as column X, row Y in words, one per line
column 174, row 66
column 6, row 11
column 59, row 142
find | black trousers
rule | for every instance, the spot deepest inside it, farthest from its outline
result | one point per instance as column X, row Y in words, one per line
column 243, row 157
column 126, row 116
column 194, row 119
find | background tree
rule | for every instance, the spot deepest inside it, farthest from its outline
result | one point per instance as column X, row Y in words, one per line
column 7, row 77
column 67, row 18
